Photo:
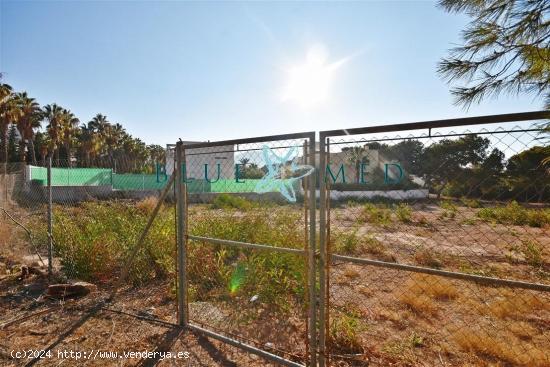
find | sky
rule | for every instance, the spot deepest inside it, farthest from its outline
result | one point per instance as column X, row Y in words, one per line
column 223, row 70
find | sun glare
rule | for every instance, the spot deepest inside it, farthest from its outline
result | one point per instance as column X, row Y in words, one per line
column 308, row 84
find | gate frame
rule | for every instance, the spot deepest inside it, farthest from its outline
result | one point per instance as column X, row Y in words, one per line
column 309, row 254
column 324, row 216
column 318, row 261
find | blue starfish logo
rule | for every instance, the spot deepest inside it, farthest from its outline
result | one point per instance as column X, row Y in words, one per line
column 282, row 173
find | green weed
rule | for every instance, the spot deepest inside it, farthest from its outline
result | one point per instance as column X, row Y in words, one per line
column 532, row 253
column 228, row 201
column 515, row 214
column 403, row 213
column 376, row 215
column 347, row 243
column 470, row 203
column 344, row 333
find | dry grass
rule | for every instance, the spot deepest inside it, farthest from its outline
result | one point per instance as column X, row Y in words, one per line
column 351, row 273
column 399, row 319
column 421, row 304
column 437, row 287
column 515, row 306
column 523, row 330
column 147, row 205
column 506, row 348
column 422, row 290
column 427, row 258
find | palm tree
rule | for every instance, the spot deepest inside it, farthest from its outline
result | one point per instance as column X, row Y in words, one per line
column 29, row 120
column 53, row 114
column 87, row 144
column 356, row 156
column 98, row 123
column 69, row 132
column 114, row 136
column 42, row 143
column 95, row 144
column 9, row 113
column 244, row 161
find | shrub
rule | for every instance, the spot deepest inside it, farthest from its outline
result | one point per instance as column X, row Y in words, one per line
column 448, row 205
column 347, row 243
column 403, row 213
column 219, row 272
column 515, row 214
column 344, row 334
column 228, row 201
column 449, row 209
column 532, row 253
column 470, row 203
column 93, row 240
column 376, row 215
column 373, row 246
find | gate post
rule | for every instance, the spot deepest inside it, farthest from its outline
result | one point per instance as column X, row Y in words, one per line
column 311, row 256
column 181, row 206
column 322, row 250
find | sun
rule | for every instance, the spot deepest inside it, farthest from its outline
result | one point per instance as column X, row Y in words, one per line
column 308, row 84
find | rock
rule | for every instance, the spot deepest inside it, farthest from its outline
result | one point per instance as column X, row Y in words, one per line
column 26, row 271
column 77, row 289
column 3, row 269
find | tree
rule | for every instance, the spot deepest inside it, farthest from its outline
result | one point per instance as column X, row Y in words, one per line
column 53, row 114
column 29, row 121
column 527, row 173
column 157, row 154
column 244, row 161
column 506, row 49
column 9, row 114
column 13, row 144
column 356, row 156
column 69, row 133
column 407, row 153
column 483, row 179
column 41, row 146
column 447, row 160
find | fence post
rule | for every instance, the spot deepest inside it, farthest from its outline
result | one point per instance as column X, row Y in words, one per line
column 181, row 204
column 322, row 250
column 50, row 216
column 311, row 255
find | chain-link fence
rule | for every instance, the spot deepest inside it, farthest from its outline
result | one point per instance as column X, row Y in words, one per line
column 250, row 256
column 413, row 244
column 110, row 225
column 437, row 244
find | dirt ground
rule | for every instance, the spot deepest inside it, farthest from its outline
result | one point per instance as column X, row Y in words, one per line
column 31, row 321
column 404, row 318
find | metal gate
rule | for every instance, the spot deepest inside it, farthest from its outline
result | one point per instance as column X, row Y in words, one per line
column 246, row 262
column 434, row 243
